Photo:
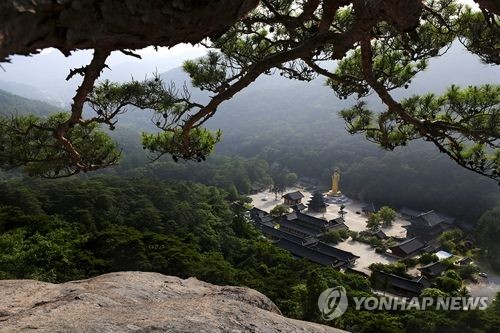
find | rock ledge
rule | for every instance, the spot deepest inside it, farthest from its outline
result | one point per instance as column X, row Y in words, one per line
column 141, row 302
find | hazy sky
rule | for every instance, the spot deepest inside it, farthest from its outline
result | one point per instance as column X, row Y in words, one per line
column 177, row 54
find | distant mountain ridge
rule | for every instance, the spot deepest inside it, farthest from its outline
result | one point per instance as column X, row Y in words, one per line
column 11, row 104
column 30, row 92
column 296, row 124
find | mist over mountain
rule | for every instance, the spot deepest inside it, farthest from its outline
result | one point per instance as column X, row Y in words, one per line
column 274, row 95
column 11, row 104
column 296, row 125
column 46, row 73
column 29, row 91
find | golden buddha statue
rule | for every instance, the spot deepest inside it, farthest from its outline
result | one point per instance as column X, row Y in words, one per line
column 335, row 191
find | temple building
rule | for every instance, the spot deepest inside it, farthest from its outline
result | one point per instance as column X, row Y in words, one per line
column 273, row 233
column 347, row 257
column 317, row 203
column 299, row 234
column 374, row 233
column 426, row 226
column 398, row 285
column 408, row 213
column 293, row 198
column 329, row 258
column 408, row 248
column 433, row 270
column 299, row 208
column 337, row 224
column 260, row 216
column 304, row 225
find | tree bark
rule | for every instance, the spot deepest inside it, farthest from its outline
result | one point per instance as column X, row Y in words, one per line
column 27, row 26
column 492, row 6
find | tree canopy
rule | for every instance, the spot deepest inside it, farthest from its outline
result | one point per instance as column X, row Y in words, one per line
column 379, row 47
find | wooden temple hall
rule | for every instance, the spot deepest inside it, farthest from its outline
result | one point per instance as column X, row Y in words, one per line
column 299, row 234
column 303, row 225
column 293, row 198
column 428, row 226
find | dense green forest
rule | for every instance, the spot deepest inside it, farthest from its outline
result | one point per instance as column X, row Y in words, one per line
column 72, row 229
column 156, row 171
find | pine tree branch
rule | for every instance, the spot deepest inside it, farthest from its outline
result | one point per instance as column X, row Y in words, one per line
column 91, row 74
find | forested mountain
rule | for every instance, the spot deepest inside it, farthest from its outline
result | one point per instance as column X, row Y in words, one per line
column 28, row 91
column 11, row 104
column 71, row 229
column 295, row 123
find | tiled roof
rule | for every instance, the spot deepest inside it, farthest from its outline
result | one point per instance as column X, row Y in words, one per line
column 337, row 226
column 465, row 261
column 299, row 207
column 337, row 220
column 273, row 232
column 334, row 252
column 409, row 246
column 423, row 280
column 433, row 269
column 379, row 233
column 297, row 195
column 429, row 219
column 309, row 224
column 299, row 227
column 400, row 282
column 318, row 200
column 308, row 219
column 257, row 215
column 308, row 253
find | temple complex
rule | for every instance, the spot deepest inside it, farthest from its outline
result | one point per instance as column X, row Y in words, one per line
column 300, row 234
